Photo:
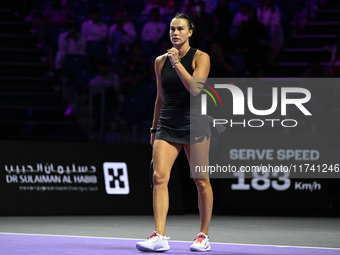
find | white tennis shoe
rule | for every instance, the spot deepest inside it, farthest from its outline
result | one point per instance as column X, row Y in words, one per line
column 201, row 243
column 155, row 242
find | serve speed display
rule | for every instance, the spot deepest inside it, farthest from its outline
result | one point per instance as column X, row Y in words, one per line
column 274, row 172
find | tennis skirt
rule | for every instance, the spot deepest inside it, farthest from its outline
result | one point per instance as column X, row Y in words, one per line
column 181, row 126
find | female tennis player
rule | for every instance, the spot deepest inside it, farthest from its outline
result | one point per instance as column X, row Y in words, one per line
column 170, row 131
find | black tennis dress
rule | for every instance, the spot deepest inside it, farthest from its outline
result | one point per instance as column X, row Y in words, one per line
column 180, row 119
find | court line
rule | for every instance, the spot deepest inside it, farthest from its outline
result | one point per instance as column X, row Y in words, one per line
column 137, row 239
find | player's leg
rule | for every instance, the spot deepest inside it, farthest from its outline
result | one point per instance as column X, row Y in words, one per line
column 164, row 156
column 198, row 155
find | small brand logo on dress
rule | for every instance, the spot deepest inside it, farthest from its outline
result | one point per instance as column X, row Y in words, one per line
column 116, row 178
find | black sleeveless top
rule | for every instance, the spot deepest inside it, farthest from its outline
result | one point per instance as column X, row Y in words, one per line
column 174, row 120
column 180, row 120
column 176, row 96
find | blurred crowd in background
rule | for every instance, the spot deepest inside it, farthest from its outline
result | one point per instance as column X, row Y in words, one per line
column 102, row 52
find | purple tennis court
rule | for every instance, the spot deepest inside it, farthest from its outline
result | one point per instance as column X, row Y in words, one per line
column 18, row 244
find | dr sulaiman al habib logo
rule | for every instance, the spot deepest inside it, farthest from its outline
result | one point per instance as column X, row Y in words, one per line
column 116, row 178
column 238, row 105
